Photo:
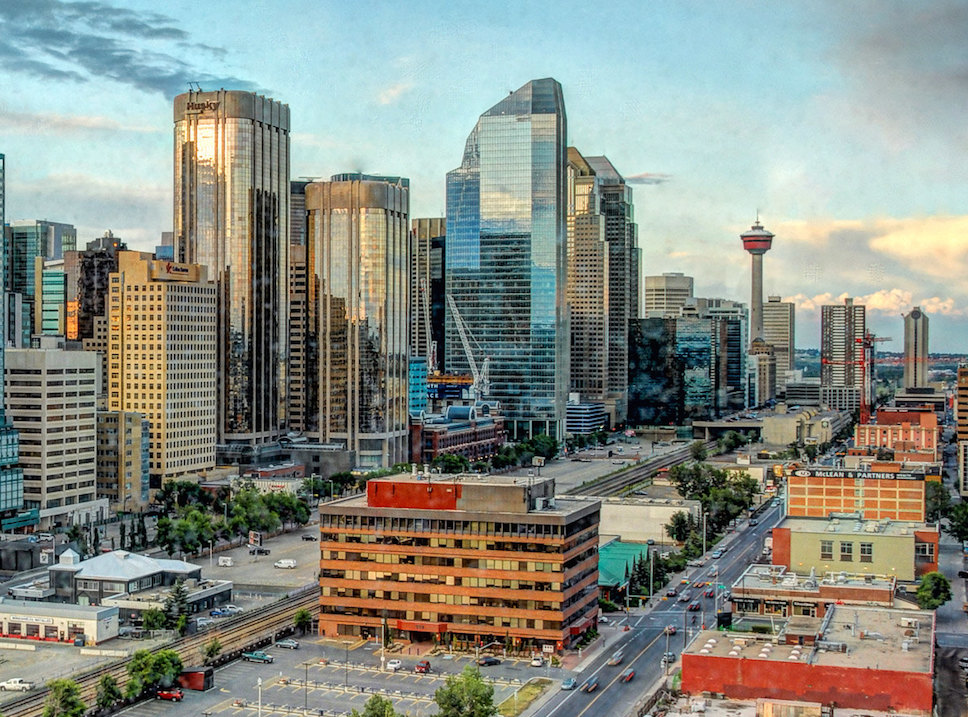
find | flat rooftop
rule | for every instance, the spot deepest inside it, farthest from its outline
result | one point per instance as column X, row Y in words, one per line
column 502, row 479
column 778, row 578
column 857, row 637
column 853, row 526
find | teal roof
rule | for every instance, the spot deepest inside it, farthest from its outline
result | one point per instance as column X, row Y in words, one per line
column 614, row 558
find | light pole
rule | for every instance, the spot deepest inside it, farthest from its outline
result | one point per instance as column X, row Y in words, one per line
column 704, row 533
column 211, row 548
column 306, row 687
column 346, row 663
column 259, row 683
column 651, row 572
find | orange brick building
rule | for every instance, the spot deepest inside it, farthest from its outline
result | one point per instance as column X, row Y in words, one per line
column 821, row 492
column 901, row 430
column 469, row 560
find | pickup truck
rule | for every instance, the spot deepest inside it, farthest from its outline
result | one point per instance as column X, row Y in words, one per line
column 257, row 656
column 16, row 684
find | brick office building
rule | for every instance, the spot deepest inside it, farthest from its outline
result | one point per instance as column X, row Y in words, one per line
column 821, row 492
column 466, row 559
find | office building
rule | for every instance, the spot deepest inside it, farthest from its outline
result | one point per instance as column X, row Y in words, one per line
column 842, row 354
column 11, row 475
column 474, row 432
column 915, row 349
column 664, row 295
column 161, row 360
column 297, row 212
column 87, row 275
column 358, row 234
column 464, row 560
column 779, row 330
column 50, row 396
column 900, row 431
column 231, row 215
column 303, row 351
column 50, row 297
column 820, row 491
column 505, row 262
column 656, row 396
column 123, row 457
column 26, row 240
column 427, row 242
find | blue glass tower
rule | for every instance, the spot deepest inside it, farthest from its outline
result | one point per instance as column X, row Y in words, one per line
column 506, row 257
column 11, row 476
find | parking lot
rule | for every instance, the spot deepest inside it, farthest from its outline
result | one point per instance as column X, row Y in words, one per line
column 316, row 676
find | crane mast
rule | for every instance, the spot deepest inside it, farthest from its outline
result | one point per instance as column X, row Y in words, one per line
column 482, row 384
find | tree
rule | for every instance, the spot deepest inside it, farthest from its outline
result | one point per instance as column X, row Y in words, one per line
column 697, row 451
column 302, row 620
column 465, row 695
column 212, row 649
column 377, row 706
column 64, row 699
column 147, row 670
column 934, row 591
column 153, row 619
column 108, row 692
column 937, row 501
column 678, row 526
column 958, row 521
column 176, row 604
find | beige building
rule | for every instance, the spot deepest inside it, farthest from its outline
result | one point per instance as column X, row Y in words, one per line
column 666, row 294
column 122, row 460
column 808, row 426
column 161, row 360
column 50, row 395
column 637, row 519
column 779, row 330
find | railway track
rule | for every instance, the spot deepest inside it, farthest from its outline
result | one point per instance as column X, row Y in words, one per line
column 615, row 484
column 243, row 632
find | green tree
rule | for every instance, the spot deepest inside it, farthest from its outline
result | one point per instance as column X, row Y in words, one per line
column 934, row 591
column 377, row 706
column 302, row 620
column 810, row 451
column 451, row 463
column 937, row 500
column 958, row 521
column 108, row 692
column 176, row 604
column 465, row 695
column 64, row 699
column 153, row 619
column 697, row 451
column 678, row 526
column 212, row 649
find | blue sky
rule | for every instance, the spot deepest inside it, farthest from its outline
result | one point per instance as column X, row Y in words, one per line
column 841, row 122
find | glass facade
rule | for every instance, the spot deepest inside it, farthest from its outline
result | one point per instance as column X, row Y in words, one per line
column 11, row 475
column 231, row 214
column 505, row 260
column 358, row 294
column 53, row 300
column 26, row 241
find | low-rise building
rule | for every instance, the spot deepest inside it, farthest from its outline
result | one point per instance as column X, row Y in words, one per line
column 822, row 492
column 475, row 432
column 53, row 622
column 639, row 519
column 805, row 425
column 855, row 657
column 461, row 559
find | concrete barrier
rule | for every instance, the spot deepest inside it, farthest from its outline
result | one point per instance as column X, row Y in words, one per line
column 104, row 653
column 25, row 646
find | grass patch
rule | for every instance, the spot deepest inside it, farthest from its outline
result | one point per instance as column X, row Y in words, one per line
column 528, row 693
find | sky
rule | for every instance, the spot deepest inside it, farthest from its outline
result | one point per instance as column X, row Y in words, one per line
column 840, row 123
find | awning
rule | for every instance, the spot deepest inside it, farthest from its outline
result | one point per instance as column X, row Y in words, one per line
column 418, row 626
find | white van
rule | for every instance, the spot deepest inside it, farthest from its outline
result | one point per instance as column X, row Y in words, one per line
column 225, row 561
column 285, row 563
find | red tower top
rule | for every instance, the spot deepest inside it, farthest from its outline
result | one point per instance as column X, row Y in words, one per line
column 757, row 240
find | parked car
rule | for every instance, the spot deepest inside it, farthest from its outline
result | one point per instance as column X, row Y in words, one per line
column 257, row 656
column 537, row 661
column 627, row 675
column 310, row 536
column 232, row 609
column 203, row 622
column 170, row 693
column 422, row 667
column 589, row 685
column 668, row 658
column 487, row 661
column 569, row 683
column 258, row 550
column 285, row 564
column 16, row 684
column 394, row 665
column 616, row 658
column 288, row 643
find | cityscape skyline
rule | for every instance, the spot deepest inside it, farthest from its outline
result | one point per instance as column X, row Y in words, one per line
column 822, row 140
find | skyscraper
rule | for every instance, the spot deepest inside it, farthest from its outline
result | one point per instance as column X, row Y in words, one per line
column 427, row 240
column 779, row 330
column 915, row 349
column 506, row 256
column 666, row 294
column 842, row 329
column 231, row 215
column 358, row 239
column 11, row 475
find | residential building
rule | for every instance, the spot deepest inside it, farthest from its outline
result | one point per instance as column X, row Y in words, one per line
column 427, row 242
column 666, row 294
column 505, row 260
column 50, row 398
column 231, row 215
column 466, row 560
column 901, row 431
column 162, row 360
column 123, row 458
column 915, row 349
column 858, row 658
column 779, row 330
column 358, row 233
column 475, row 432
column 842, row 354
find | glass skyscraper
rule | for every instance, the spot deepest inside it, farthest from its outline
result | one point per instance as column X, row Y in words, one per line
column 231, row 214
column 505, row 256
column 11, row 475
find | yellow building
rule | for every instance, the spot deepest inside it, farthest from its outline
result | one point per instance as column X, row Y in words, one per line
column 161, row 359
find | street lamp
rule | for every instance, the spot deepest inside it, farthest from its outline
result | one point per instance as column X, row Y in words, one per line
column 211, row 549
column 259, row 684
column 346, row 663
column 306, row 687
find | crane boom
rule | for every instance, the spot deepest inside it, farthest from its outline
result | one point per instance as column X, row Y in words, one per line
column 481, row 384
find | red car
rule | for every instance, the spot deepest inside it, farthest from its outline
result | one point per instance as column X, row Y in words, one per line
column 170, row 693
column 711, row 592
column 422, row 666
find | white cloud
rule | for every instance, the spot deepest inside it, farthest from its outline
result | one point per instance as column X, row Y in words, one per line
column 391, row 94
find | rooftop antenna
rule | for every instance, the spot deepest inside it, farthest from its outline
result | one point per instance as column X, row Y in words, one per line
column 194, row 87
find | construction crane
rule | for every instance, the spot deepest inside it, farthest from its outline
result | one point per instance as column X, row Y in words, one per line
column 481, row 385
column 866, row 345
column 431, row 344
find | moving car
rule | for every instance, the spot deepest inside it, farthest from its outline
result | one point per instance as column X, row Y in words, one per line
column 285, row 564
column 488, row 660
column 394, row 665
column 288, row 643
column 717, row 554
column 589, row 685
column 670, row 630
column 694, row 606
column 569, row 683
column 603, row 620
column 627, row 675
column 170, row 693
column 686, row 596
column 699, row 583
column 671, row 592
column 310, row 536
column 616, row 658
column 710, row 592
column 422, row 667
column 754, row 521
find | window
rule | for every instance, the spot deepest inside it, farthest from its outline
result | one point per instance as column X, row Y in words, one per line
column 867, row 552
column 846, row 552
column 826, row 550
